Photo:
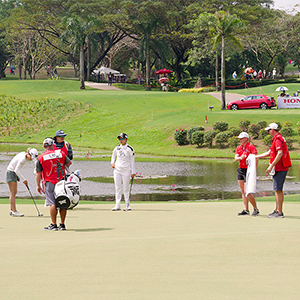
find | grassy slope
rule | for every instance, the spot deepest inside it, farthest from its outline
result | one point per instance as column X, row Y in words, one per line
column 112, row 112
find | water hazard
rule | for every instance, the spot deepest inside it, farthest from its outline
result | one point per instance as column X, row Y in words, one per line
column 161, row 181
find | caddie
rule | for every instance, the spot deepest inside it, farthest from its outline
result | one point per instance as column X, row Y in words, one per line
column 280, row 163
column 60, row 143
column 50, row 168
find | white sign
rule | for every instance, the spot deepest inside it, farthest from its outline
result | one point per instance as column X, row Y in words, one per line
column 288, row 102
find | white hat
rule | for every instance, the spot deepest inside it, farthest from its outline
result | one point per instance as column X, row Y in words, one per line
column 272, row 126
column 34, row 154
column 48, row 142
column 243, row 135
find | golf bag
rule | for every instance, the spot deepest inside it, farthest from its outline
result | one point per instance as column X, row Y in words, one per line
column 67, row 191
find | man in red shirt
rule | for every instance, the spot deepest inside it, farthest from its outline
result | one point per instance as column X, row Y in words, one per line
column 279, row 165
column 51, row 168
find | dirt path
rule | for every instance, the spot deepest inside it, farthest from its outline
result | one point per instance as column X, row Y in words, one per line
column 101, row 86
column 228, row 96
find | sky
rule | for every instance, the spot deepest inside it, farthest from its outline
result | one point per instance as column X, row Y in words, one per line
column 286, row 4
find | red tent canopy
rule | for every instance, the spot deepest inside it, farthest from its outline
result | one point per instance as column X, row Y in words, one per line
column 163, row 71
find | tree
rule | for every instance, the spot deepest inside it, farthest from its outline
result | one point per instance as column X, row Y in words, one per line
column 76, row 34
column 221, row 26
column 46, row 17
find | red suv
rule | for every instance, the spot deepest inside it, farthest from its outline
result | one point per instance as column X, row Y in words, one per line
column 253, row 101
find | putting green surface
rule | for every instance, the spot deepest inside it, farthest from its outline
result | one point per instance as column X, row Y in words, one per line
column 198, row 250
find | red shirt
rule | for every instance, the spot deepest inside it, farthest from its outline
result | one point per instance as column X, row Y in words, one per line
column 64, row 149
column 48, row 162
column 246, row 150
column 278, row 143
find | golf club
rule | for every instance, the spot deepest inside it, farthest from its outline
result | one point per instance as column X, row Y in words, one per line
column 130, row 189
column 39, row 214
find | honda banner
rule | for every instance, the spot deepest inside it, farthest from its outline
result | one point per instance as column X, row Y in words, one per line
column 288, row 102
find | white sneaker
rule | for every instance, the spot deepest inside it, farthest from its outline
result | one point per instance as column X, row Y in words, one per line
column 116, row 208
column 127, row 207
column 15, row 214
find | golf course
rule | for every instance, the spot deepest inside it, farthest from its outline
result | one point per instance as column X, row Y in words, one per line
column 159, row 250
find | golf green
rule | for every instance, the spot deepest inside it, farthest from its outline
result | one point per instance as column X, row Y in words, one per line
column 193, row 250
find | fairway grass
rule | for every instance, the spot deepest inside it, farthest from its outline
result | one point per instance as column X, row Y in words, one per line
column 149, row 118
column 199, row 250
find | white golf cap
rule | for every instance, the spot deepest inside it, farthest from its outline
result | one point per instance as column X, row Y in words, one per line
column 243, row 135
column 34, row 154
column 272, row 126
column 48, row 142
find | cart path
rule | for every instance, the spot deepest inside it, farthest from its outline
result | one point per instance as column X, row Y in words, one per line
column 228, row 96
column 101, row 86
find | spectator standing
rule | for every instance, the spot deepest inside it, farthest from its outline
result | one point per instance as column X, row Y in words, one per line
column 110, row 78
column 274, row 73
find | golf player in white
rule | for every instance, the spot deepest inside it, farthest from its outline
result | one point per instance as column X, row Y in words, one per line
column 122, row 161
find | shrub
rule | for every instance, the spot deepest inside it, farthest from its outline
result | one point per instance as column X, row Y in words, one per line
column 180, row 136
column 197, row 137
column 254, row 130
column 287, row 131
column 262, row 134
column 291, row 80
column 191, row 90
column 262, row 124
column 287, row 124
column 268, row 140
column 289, row 143
column 234, row 130
column 229, row 133
column 244, row 124
column 192, row 130
column 209, row 137
column 221, row 139
column 221, row 126
column 279, row 125
column 233, row 142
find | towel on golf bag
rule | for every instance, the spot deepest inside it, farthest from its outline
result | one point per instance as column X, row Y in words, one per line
column 251, row 175
column 67, row 191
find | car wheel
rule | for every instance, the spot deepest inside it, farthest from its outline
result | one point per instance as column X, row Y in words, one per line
column 263, row 106
column 234, row 107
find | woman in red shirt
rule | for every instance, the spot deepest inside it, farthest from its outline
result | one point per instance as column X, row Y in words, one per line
column 242, row 152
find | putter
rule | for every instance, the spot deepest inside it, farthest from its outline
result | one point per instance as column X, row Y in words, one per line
column 129, row 190
column 39, row 214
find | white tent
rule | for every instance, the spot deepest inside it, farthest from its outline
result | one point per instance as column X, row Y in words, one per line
column 106, row 71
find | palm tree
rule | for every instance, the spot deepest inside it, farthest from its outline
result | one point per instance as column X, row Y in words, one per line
column 222, row 26
column 146, row 30
column 77, row 33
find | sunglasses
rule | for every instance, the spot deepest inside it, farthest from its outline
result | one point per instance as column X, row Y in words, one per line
column 61, row 136
column 121, row 139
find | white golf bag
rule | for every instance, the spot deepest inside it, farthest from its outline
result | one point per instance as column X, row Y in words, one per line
column 67, row 191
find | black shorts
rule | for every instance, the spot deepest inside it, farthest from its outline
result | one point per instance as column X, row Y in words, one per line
column 278, row 180
column 241, row 174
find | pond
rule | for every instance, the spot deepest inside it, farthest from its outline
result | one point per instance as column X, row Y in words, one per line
column 161, row 181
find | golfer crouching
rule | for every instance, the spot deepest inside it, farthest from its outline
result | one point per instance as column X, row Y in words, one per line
column 51, row 168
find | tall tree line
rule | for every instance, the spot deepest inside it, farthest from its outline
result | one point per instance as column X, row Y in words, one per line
column 153, row 33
